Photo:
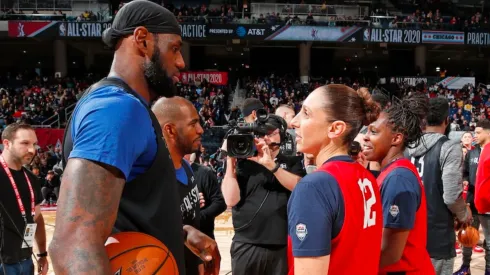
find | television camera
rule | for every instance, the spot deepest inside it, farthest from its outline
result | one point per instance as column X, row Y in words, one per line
column 241, row 136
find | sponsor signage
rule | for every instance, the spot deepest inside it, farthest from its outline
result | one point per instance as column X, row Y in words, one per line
column 193, row 31
column 261, row 32
column 478, row 38
column 450, row 82
column 227, row 31
column 412, row 81
column 82, row 29
column 403, row 36
column 443, row 37
column 216, row 78
column 317, row 33
column 31, row 28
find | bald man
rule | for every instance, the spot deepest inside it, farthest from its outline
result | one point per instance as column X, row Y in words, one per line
column 287, row 113
column 182, row 131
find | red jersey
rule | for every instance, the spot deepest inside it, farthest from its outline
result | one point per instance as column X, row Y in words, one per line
column 482, row 185
column 415, row 258
column 356, row 248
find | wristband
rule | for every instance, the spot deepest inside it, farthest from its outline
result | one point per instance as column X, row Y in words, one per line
column 45, row 254
column 275, row 168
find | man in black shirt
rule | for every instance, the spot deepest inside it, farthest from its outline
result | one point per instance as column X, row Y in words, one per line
column 258, row 190
column 182, row 130
column 19, row 217
column 51, row 185
column 210, row 192
column 470, row 166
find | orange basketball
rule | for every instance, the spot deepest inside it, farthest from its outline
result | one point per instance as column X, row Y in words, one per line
column 141, row 254
column 468, row 236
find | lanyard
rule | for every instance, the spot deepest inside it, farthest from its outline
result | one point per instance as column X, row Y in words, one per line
column 16, row 190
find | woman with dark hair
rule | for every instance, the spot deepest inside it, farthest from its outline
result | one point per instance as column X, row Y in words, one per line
column 403, row 249
column 334, row 213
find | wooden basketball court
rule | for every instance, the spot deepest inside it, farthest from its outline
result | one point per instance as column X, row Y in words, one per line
column 224, row 234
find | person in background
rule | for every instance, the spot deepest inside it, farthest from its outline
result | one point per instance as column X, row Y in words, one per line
column 211, row 198
column 287, row 113
column 482, row 136
column 403, row 249
column 334, row 213
column 439, row 162
column 51, row 186
column 182, row 131
column 22, row 218
column 258, row 189
column 383, row 101
column 467, row 141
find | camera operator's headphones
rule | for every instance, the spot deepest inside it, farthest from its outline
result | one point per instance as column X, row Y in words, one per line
column 277, row 122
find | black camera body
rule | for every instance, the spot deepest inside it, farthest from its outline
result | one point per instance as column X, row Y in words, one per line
column 240, row 142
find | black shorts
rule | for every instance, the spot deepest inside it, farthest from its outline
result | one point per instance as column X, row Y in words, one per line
column 251, row 259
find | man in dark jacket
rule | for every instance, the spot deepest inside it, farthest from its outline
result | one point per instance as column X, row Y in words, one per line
column 439, row 163
column 482, row 135
column 211, row 198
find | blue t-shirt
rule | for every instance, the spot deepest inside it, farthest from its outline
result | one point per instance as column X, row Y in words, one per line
column 181, row 174
column 400, row 195
column 114, row 127
column 316, row 213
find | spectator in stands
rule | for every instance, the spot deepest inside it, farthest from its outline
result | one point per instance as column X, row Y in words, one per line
column 51, row 187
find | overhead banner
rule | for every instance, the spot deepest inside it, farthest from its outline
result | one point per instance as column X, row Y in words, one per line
column 443, row 37
column 451, row 82
column 82, row 29
column 456, row 82
column 31, row 28
column 227, row 31
column 414, row 80
column 402, row 36
column 261, row 32
column 477, row 39
column 216, row 78
column 317, row 33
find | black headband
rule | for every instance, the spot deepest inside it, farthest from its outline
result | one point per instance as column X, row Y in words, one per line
column 140, row 13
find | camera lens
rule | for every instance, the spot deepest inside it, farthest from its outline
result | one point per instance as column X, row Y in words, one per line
column 262, row 115
column 241, row 146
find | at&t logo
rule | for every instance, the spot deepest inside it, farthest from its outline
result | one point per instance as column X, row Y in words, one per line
column 241, row 31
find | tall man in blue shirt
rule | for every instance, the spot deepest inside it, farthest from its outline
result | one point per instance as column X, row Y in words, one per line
column 118, row 174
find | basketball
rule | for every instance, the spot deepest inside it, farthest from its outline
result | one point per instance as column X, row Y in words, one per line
column 138, row 253
column 468, row 236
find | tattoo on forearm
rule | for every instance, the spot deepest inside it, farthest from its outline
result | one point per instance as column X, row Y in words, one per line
column 89, row 200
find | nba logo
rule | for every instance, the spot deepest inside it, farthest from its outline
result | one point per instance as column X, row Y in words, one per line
column 367, row 35
column 314, row 33
column 20, row 30
column 62, row 29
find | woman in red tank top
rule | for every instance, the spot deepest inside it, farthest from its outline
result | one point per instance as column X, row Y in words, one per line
column 334, row 213
column 403, row 249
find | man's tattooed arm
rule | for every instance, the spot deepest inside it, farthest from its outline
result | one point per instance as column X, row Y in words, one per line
column 89, row 198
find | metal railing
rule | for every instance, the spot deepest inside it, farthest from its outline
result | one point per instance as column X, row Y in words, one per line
column 52, row 120
column 323, row 21
column 69, row 110
column 52, row 5
column 440, row 26
column 305, row 9
column 55, row 121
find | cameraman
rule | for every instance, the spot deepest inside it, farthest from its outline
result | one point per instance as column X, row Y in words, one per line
column 258, row 189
